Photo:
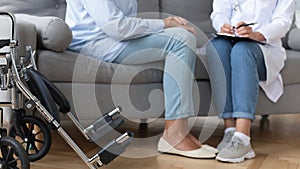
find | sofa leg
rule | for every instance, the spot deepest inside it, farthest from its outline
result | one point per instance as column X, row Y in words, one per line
column 264, row 122
column 143, row 121
column 143, row 128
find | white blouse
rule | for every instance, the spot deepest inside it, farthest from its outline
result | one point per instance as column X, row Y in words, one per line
column 274, row 18
column 102, row 28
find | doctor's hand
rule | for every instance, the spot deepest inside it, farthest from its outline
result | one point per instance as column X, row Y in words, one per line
column 227, row 28
column 246, row 31
column 176, row 21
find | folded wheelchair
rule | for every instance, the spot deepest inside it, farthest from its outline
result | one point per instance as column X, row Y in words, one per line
column 25, row 92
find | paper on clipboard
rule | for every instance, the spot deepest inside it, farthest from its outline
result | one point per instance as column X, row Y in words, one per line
column 236, row 38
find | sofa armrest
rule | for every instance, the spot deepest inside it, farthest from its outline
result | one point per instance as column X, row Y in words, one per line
column 26, row 34
column 294, row 39
column 52, row 32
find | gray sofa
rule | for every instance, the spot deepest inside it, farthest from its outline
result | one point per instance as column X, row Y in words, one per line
column 95, row 87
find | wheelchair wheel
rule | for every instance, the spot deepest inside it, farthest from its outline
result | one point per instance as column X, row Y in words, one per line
column 12, row 154
column 34, row 136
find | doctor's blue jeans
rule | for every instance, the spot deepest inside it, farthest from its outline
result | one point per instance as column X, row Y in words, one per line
column 244, row 66
column 176, row 47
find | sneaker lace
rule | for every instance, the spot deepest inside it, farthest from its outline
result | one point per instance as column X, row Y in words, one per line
column 228, row 137
column 234, row 144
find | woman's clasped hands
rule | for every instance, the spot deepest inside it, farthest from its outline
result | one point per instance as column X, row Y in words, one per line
column 177, row 21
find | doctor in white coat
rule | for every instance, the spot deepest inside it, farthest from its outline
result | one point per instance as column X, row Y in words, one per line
column 248, row 64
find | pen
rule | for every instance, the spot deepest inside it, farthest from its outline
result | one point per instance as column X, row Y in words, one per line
column 245, row 24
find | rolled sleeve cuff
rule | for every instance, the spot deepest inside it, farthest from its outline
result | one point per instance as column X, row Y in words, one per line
column 266, row 33
column 274, row 31
column 156, row 25
column 219, row 22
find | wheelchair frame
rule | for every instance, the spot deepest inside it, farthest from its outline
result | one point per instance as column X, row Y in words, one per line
column 12, row 81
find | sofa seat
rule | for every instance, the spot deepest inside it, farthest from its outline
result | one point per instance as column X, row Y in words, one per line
column 74, row 65
column 147, row 73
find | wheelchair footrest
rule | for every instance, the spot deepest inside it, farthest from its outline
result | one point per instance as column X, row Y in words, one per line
column 115, row 148
column 102, row 126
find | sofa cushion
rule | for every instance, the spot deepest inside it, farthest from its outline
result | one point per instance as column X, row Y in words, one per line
column 53, row 33
column 83, row 69
column 73, row 67
column 290, row 73
column 148, row 5
column 35, row 7
column 196, row 11
column 294, row 39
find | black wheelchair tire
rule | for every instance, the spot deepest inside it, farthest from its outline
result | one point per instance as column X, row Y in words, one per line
column 7, row 144
column 30, row 121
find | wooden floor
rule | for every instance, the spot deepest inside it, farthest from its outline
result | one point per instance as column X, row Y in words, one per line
column 277, row 147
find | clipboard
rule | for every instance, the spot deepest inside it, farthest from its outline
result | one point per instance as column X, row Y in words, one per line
column 236, row 38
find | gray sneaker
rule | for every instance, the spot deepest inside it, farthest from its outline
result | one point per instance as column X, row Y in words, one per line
column 226, row 139
column 236, row 151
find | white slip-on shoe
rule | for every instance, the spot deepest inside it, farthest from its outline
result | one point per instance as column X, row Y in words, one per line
column 210, row 148
column 165, row 147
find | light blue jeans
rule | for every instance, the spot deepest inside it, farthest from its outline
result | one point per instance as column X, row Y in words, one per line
column 244, row 66
column 176, row 46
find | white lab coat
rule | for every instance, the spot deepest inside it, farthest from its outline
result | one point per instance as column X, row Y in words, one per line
column 274, row 18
